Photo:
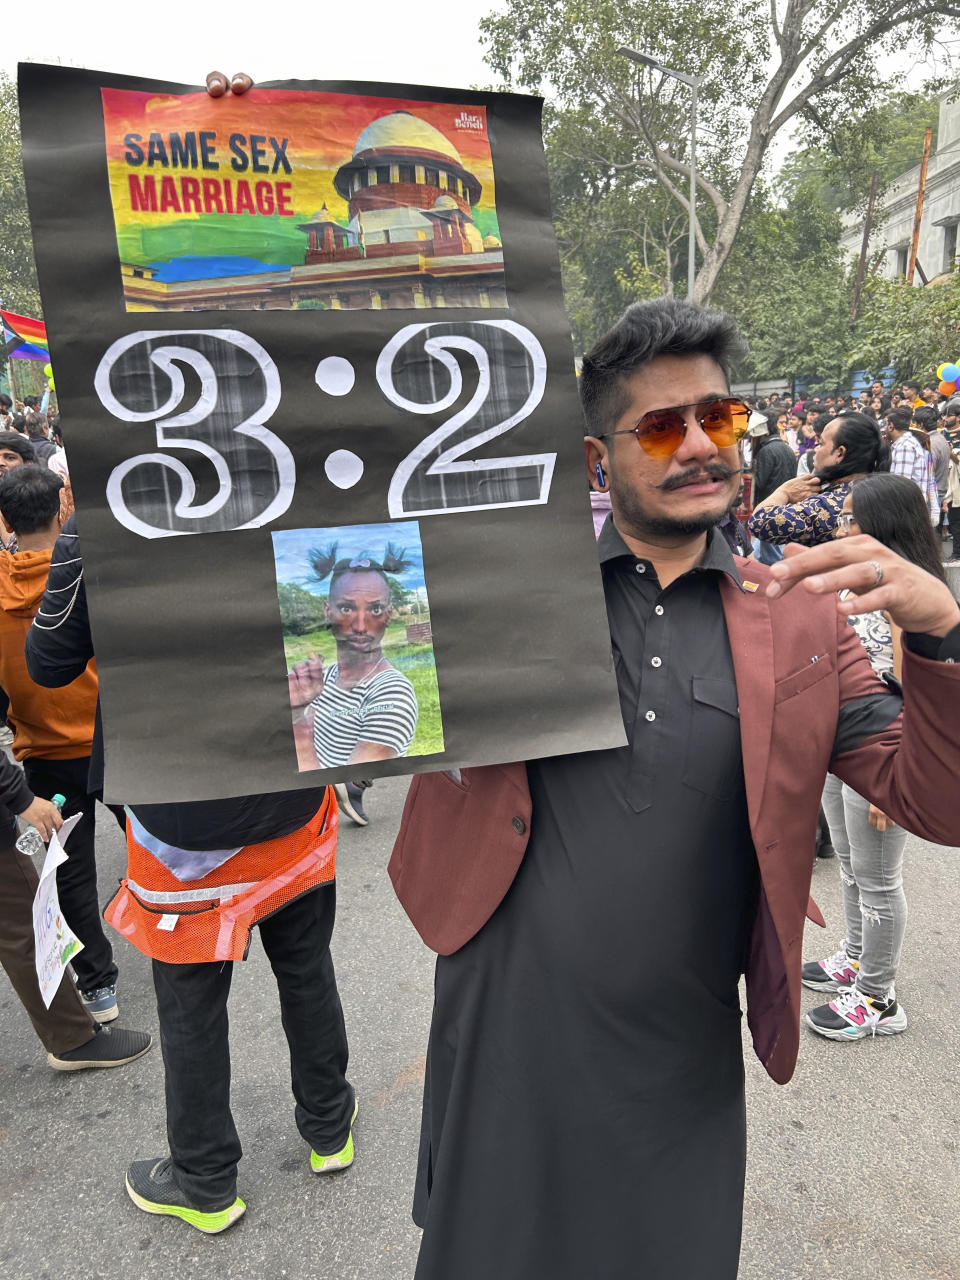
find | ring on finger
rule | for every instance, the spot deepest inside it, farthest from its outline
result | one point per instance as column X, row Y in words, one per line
column 878, row 570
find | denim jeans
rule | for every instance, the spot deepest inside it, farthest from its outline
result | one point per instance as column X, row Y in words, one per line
column 766, row 552
column 871, row 875
column 192, row 1011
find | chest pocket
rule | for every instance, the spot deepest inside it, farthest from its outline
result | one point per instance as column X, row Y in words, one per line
column 714, row 762
column 817, row 669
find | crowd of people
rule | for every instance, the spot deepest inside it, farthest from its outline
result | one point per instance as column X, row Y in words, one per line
column 888, row 466
column 921, row 425
column 550, row 889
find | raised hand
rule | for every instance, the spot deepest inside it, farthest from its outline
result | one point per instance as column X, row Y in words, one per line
column 796, row 490
column 878, row 579
column 305, row 681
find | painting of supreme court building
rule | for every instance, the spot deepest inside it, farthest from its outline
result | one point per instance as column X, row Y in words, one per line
column 301, row 199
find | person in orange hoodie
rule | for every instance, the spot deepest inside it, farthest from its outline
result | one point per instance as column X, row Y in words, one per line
column 53, row 728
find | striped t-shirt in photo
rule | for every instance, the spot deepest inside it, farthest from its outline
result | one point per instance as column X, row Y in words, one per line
column 382, row 709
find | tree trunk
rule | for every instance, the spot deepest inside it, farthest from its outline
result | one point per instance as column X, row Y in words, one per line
column 723, row 242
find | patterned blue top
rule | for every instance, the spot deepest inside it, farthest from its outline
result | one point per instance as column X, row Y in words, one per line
column 810, row 522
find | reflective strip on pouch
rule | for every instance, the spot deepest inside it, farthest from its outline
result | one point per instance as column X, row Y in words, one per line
column 218, row 891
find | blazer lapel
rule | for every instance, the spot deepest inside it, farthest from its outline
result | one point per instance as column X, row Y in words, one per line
column 750, row 632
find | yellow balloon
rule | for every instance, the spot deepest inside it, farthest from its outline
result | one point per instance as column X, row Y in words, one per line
column 50, row 384
column 48, row 370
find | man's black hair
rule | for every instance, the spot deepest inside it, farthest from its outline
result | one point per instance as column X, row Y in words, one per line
column 864, row 448
column 913, row 386
column 5, row 401
column 31, row 402
column 17, row 443
column 646, row 330
column 900, row 418
column 29, row 498
column 926, row 417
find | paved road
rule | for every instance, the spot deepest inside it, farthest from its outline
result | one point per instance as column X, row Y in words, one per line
column 853, row 1167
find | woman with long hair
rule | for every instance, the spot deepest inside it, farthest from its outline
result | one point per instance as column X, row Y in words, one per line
column 807, row 509
column 869, row 846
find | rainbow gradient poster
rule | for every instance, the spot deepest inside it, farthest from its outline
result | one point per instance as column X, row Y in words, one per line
column 301, row 199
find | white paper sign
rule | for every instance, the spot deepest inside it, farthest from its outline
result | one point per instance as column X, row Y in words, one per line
column 55, row 942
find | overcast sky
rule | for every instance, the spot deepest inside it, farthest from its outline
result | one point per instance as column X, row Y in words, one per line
column 184, row 39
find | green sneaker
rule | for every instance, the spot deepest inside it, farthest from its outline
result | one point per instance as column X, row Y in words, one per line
column 152, row 1187
column 341, row 1159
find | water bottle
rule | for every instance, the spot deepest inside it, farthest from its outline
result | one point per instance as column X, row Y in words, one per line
column 31, row 842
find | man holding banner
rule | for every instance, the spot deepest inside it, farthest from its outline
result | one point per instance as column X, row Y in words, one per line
column 594, row 910
column 584, row 1098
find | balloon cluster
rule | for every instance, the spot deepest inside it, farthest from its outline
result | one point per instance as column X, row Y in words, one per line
column 48, row 370
column 949, row 375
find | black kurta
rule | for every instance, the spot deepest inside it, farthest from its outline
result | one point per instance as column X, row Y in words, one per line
column 584, row 1110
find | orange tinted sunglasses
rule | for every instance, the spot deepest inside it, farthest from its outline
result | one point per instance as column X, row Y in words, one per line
column 661, row 432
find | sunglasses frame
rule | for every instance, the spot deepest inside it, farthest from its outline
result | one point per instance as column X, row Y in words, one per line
column 680, row 409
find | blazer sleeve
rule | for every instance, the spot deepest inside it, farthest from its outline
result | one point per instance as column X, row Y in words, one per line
column 905, row 761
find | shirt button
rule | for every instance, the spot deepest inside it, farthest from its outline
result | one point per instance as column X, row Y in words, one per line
column 651, row 715
column 519, row 826
column 656, row 662
column 641, row 568
column 659, row 611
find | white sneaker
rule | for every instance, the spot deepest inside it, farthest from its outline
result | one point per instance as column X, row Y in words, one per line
column 854, row 1015
column 833, row 974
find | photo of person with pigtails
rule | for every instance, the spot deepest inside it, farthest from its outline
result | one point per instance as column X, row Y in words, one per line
column 358, row 641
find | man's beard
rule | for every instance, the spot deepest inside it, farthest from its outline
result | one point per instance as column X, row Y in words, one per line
column 629, row 509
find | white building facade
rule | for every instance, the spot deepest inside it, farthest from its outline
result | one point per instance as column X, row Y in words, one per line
column 894, row 215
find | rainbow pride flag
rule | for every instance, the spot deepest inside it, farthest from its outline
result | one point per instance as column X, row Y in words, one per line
column 32, row 335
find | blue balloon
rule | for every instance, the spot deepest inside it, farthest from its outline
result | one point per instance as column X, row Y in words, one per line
column 951, row 373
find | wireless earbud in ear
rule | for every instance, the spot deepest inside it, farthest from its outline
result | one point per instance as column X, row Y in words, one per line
column 601, row 478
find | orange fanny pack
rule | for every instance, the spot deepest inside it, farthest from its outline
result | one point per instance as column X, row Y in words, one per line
column 206, row 920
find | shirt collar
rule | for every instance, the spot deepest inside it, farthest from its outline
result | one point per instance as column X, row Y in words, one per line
column 717, row 557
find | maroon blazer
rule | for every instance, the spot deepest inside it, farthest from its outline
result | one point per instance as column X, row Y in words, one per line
column 797, row 663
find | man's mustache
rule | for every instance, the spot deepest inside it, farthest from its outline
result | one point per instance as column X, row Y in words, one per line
column 712, row 471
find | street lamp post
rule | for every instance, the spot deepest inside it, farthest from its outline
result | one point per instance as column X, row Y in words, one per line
column 693, row 82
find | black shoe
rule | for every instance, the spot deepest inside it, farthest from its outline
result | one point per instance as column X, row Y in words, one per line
column 153, row 1188
column 350, row 801
column 826, row 850
column 110, row 1047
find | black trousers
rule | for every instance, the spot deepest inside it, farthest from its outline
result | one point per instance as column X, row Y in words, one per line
column 192, row 1010
column 77, row 877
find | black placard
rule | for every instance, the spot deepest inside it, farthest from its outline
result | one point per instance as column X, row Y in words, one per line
column 320, row 411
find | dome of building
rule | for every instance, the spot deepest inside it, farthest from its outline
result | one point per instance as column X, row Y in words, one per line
column 491, row 242
column 445, row 202
column 401, row 129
